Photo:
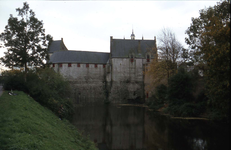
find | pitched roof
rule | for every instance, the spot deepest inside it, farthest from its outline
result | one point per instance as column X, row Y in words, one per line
column 79, row 57
column 57, row 46
column 126, row 47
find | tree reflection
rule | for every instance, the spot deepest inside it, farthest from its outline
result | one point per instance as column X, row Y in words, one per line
column 132, row 128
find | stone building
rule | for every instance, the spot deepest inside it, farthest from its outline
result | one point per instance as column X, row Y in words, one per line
column 116, row 77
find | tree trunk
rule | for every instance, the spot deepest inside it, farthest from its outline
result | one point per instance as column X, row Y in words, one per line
column 25, row 73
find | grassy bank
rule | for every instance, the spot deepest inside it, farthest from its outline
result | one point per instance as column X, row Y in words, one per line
column 25, row 124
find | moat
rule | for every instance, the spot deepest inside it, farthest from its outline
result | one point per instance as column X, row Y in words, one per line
column 114, row 127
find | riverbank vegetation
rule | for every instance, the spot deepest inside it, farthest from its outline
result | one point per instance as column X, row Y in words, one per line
column 201, row 84
column 183, row 97
column 46, row 87
column 25, row 124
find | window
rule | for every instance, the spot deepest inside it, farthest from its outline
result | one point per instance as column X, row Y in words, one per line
column 132, row 59
column 87, row 65
column 69, row 65
column 60, row 65
column 53, row 65
column 148, row 58
column 104, row 65
column 78, row 65
column 96, row 65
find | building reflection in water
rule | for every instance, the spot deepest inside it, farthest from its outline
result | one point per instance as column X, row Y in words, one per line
column 133, row 128
column 112, row 127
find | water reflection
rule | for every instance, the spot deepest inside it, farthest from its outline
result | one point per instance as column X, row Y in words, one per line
column 134, row 128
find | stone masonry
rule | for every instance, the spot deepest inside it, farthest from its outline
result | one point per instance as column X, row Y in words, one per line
column 96, row 77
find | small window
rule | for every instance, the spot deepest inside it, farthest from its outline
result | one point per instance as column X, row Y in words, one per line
column 69, row 65
column 104, row 65
column 53, row 65
column 132, row 59
column 148, row 58
column 78, row 65
column 96, row 65
column 60, row 65
column 87, row 65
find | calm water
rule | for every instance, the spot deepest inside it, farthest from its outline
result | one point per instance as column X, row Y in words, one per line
column 135, row 128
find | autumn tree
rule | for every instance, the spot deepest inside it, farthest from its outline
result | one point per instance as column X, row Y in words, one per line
column 169, row 50
column 209, row 37
column 25, row 40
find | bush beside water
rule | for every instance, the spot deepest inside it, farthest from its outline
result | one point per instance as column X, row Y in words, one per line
column 160, row 97
column 45, row 85
column 180, row 97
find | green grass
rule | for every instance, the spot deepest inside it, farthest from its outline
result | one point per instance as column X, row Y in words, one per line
column 25, row 124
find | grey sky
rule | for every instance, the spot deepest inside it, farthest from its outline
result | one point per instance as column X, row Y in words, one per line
column 88, row 25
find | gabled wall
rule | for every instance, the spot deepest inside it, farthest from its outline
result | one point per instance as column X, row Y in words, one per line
column 126, row 80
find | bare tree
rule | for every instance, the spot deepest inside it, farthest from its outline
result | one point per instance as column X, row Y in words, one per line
column 169, row 47
column 169, row 50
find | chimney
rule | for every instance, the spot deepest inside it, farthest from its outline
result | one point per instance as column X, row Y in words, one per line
column 61, row 39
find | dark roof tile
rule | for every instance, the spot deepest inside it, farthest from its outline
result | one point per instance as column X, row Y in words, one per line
column 124, row 47
column 57, row 46
column 79, row 57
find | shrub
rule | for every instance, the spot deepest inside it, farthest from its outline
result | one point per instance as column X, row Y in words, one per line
column 217, row 115
column 46, row 86
column 173, row 110
column 159, row 99
column 180, row 95
column 161, row 93
column 189, row 110
column 13, row 80
column 185, row 110
column 180, row 88
column 201, row 102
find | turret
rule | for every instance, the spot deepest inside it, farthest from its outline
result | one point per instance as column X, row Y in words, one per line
column 132, row 35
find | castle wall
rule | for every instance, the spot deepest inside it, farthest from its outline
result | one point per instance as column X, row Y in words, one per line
column 88, row 83
column 120, row 82
column 126, row 80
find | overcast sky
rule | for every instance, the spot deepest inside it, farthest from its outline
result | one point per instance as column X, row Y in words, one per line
column 88, row 25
